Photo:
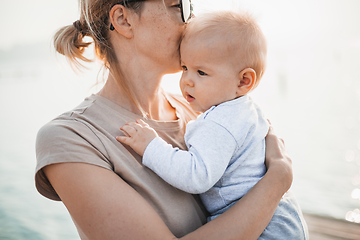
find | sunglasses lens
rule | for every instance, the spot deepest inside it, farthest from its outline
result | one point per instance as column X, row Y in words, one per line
column 186, row 9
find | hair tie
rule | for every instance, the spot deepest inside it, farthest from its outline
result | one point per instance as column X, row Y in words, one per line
column 77, row 24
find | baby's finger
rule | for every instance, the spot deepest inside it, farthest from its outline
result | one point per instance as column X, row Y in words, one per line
column 142, row 123
column 123, row 139
column 130, row 130
column 134, row 125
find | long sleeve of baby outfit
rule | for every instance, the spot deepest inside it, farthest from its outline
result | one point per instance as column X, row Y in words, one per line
column 210, row 149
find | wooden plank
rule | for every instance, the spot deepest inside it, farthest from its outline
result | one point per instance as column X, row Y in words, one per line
column 326, row 228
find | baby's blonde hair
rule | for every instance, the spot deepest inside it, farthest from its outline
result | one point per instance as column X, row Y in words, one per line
column 242, row 36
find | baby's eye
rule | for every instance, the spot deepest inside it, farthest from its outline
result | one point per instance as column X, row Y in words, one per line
column 184, row 68
column 201, row 73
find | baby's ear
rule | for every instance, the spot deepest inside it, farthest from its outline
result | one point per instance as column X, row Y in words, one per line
column 247, row 79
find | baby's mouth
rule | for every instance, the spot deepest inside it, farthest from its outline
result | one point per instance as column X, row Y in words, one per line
column 189, row 98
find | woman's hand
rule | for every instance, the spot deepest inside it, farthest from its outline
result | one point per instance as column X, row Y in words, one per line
column 248, row 218
column 140, row 134
column 277, row 158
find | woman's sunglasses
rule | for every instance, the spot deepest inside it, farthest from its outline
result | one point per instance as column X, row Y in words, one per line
column 185, row 6
column 186, row 10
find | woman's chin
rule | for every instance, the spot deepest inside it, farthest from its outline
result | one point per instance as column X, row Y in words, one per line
column 175, row 68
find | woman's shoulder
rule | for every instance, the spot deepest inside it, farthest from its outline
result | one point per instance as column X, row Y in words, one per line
column 62, row 128
column 66, row 140
column 177, row 98
column 182, row 107
column 91, row 117
column 74, row 136
column 68, row 123
column 69, row 138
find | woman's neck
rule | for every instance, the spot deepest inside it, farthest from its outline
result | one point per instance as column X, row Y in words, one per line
column 149, row 95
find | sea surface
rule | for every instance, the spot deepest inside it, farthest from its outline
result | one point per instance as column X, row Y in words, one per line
column 310, row 94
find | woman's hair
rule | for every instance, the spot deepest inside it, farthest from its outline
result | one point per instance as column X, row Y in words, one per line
column 241, row 34
column 94, row 22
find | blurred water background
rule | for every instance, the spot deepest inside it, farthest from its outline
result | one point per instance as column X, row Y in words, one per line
column 310, row 92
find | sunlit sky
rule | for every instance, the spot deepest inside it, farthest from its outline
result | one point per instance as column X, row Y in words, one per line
column 26, row 22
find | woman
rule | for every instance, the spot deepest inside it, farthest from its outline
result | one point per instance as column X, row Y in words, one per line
column 106, row 189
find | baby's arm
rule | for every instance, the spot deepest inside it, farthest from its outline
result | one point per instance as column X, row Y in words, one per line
column 210, row 148
column 140, row 134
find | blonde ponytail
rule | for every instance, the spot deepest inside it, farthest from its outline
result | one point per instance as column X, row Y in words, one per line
column 94, row 23
column 69, row 42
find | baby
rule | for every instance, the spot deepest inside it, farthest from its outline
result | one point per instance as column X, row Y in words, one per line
column 223, row 58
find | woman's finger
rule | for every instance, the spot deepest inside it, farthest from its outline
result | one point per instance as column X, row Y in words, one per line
column 271, row 133
column 271, row 130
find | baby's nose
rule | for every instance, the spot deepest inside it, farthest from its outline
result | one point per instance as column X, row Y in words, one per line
column 187, row 80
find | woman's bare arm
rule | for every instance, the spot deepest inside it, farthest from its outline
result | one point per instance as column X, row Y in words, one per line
column 103, row 205
column 106, row 207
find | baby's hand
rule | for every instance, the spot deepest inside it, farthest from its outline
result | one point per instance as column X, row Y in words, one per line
column 140, row 134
